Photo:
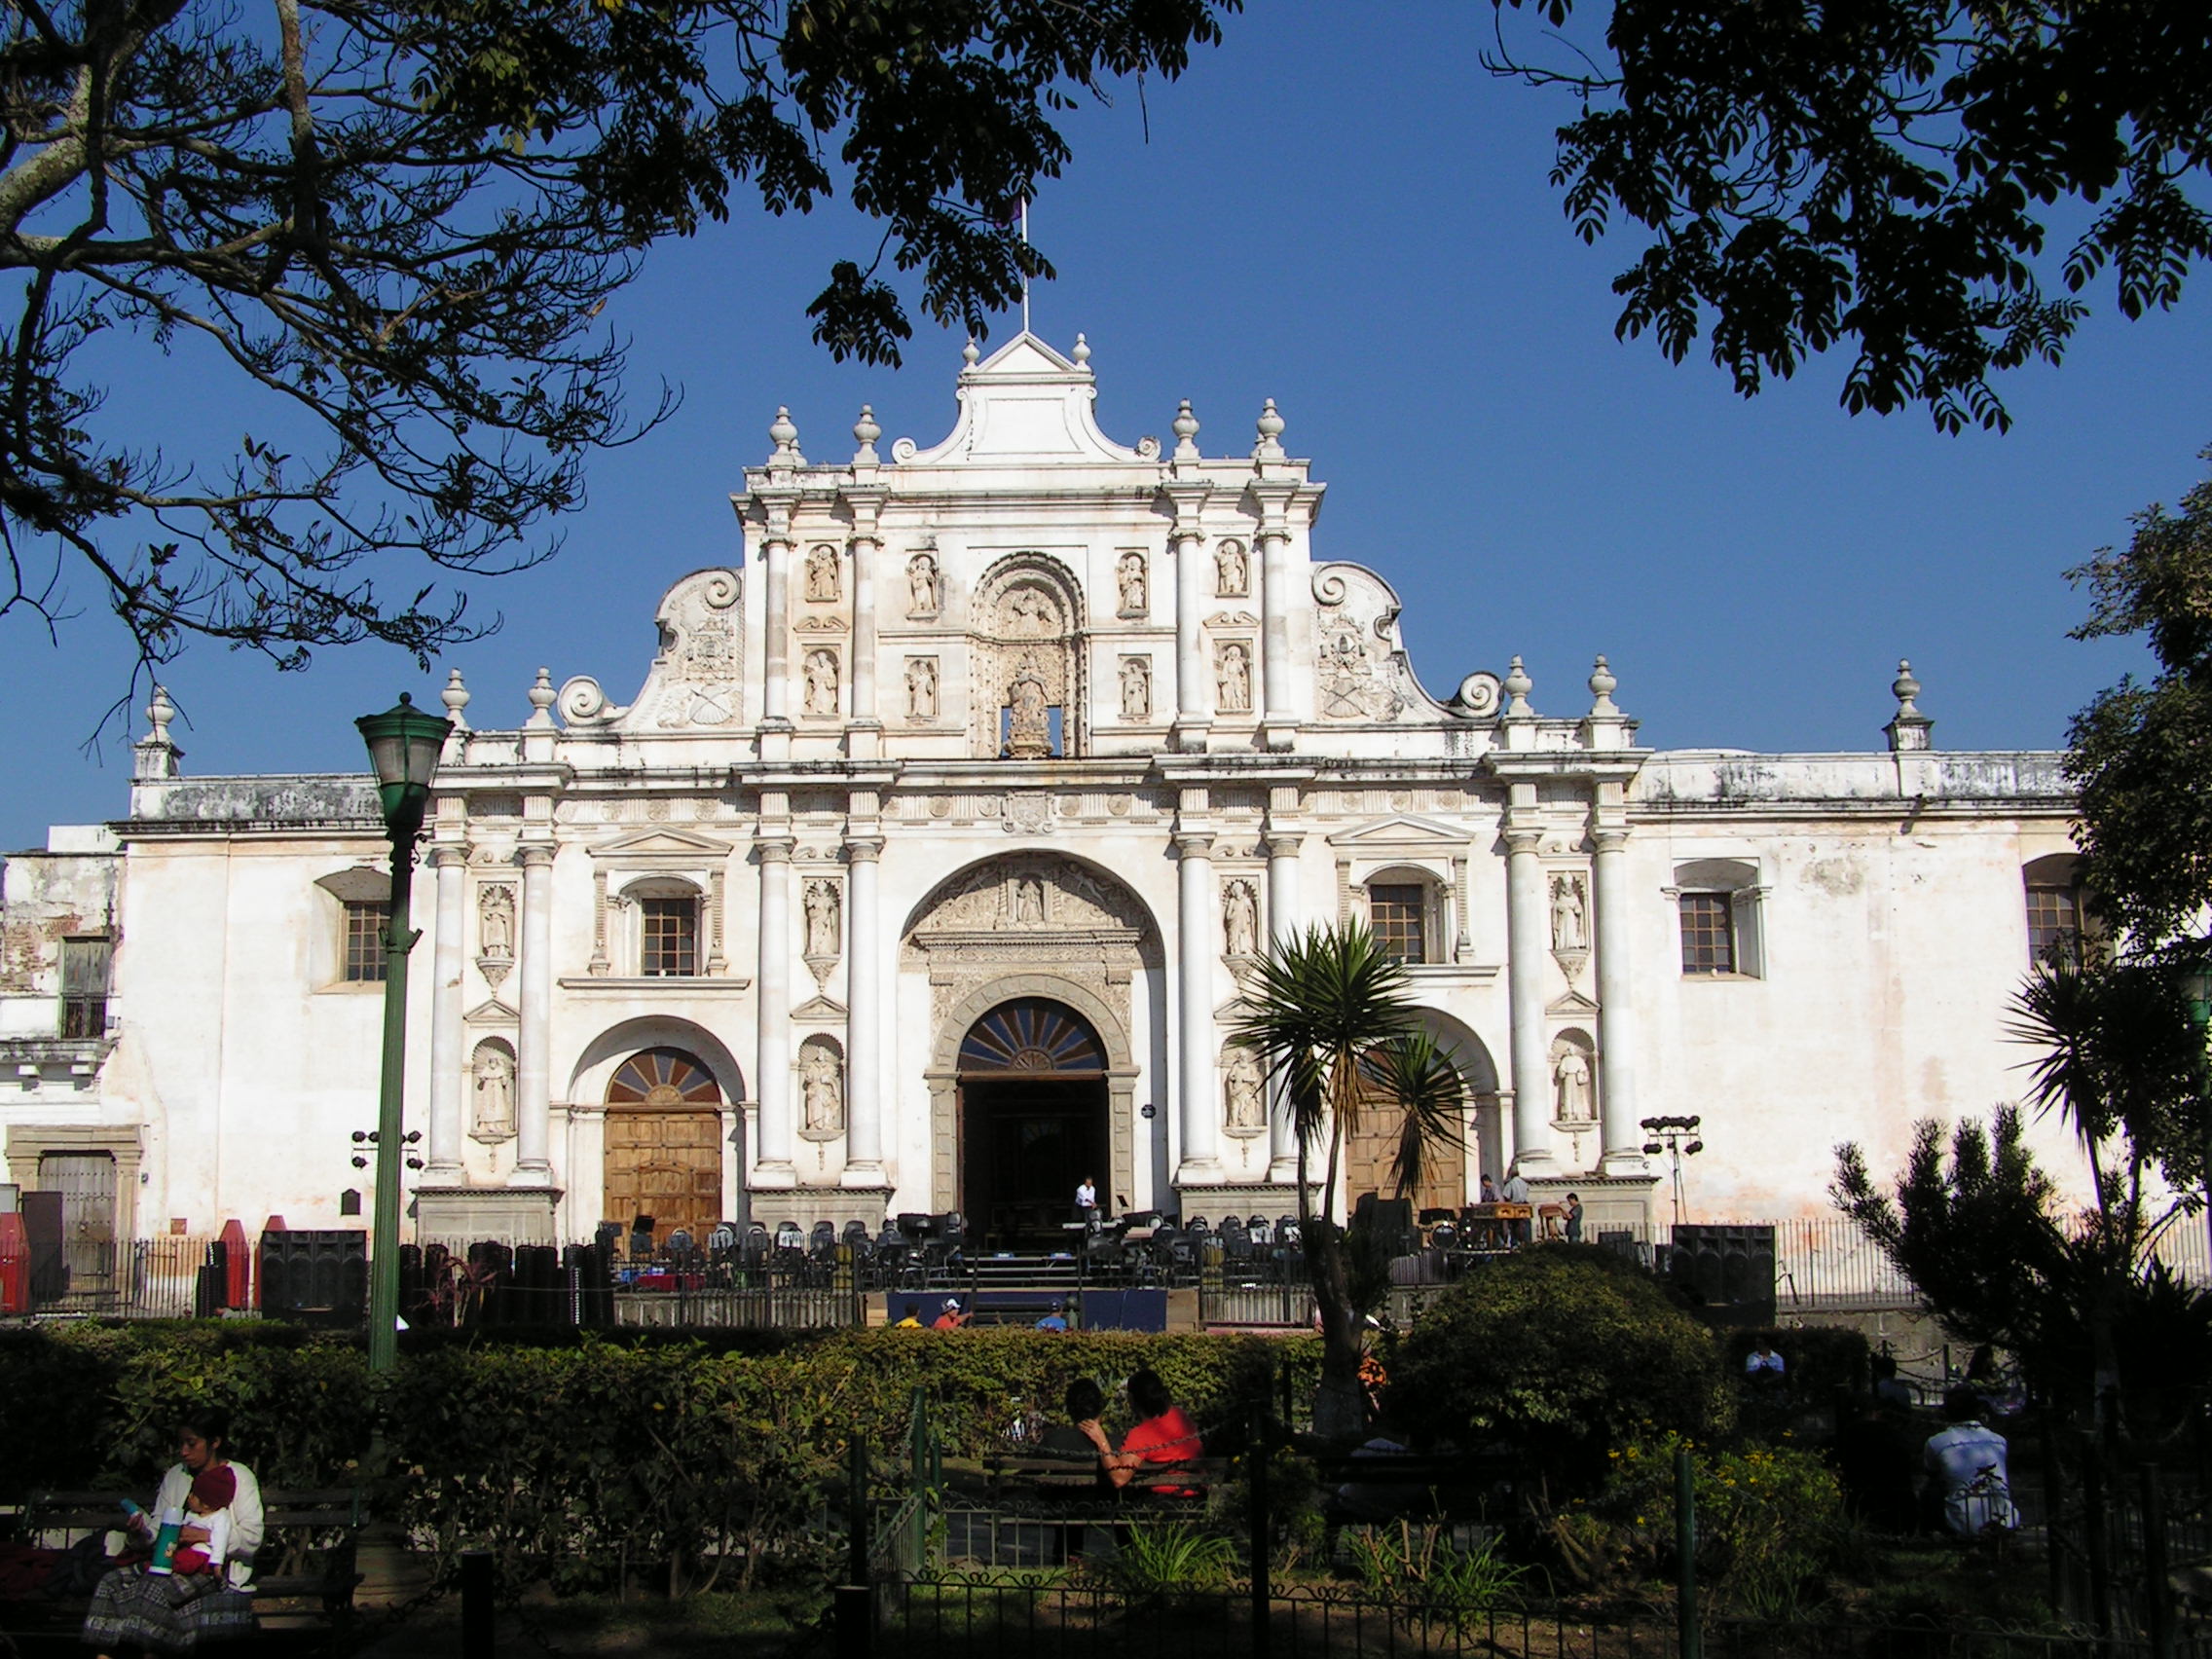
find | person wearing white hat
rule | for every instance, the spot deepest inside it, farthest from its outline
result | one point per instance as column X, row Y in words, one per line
column 951, row 1318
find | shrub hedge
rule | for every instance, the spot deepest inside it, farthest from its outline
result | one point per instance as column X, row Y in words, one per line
column 1565, row 1348
column 578, row 1457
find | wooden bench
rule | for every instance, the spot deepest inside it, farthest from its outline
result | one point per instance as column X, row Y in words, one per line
column 1035, row 1475
column 304, row 1573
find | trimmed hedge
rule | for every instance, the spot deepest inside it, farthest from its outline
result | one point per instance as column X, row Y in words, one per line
column 576, row 1457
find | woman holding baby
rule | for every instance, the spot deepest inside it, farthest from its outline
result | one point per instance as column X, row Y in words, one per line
column 202, row 1593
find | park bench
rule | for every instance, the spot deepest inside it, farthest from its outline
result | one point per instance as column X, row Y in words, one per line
column 1032, row 1476
column 305, row 1573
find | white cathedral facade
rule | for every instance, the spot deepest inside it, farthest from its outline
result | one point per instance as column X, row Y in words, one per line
column 920, row 872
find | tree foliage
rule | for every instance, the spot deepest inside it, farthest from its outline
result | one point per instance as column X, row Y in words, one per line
column 2141, row 754
column 1889, row 177
column 1976, row 1224
column 397, row 226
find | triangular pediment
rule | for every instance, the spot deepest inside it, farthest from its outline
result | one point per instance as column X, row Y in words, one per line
column 661, row 842
column 492, row 1012
column 1574, row 1005
column 819, row 1007
column 1022, row 405
column 1399, row 831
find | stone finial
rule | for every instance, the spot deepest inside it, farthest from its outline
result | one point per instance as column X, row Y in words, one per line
column 1082, row 352
column 1602, row 687
column 1270, row 426
column 785, row 436
column 1908, row 729
column 156, row 755
column 455, row 699
column 970, row 353
column 1517, row 686
column 541, row 695
column 864, row 433
column 1186, row 429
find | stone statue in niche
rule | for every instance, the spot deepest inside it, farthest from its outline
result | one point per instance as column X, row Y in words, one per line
column 820, row 903
column 1233, row 680
column 1128, row 572
column 923, row 596
column 822, row 1089
column 1571, row 929
column 494, row 1071
column 1029, row 900
column 822, row 682
column 1136, row 688
column 921, row 688
column 1241, row 919
column 1246, row 1092
column 495, row 922
column 1029, row 724
column 821, row 574
column 1571, row 1078
column 1232, row 570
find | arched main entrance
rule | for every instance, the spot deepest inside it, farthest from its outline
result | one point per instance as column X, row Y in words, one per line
column 664, row 1143
column 1032, row 1119
column 1443, row 1185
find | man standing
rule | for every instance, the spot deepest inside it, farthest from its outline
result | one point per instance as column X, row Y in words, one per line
column 1517, row 1193
column 1087, row 1201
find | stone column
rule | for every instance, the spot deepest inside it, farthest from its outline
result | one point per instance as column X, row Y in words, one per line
column 864, row 1019
column 772, row 1082
column 1526, row 922
column 864, row 549
column 1616, row 1005
column 443, row 1160
column 1283, row 923
column 776, row 641
column 1279, row 673
column 1194, row 678
column 1196, row 925
column 533, row 1039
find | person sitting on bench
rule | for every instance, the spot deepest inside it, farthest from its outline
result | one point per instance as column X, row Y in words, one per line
column 1162, row 1436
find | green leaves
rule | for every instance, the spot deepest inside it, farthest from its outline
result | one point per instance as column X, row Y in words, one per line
column 1880, row 174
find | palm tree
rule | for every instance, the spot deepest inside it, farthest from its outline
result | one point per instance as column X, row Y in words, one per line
column 1330, row 1016
column 2123, row 1062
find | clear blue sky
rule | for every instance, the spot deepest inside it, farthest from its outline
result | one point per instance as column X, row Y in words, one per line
column 1340, row 210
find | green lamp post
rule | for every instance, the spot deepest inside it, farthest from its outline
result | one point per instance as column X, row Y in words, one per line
column 404, row 744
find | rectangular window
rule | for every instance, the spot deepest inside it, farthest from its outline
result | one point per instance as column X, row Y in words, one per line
column 365, row 924
column 2054, row 925
column 669, row 937
column 1709, row 933
column 84, row 986
column 1399, row 920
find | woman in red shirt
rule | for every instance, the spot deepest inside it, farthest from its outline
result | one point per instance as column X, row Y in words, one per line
column 1162, row 1434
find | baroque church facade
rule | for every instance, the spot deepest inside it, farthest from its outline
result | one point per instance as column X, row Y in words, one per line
column 921, row 871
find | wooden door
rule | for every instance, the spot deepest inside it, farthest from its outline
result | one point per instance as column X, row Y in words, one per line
column 85, row 1181
column 665, row 1164
column 1368, row 1159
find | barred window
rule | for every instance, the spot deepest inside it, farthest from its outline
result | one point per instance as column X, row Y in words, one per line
column 1397, row 914
column 669, row 938
column 1709, row 933
column 365, row 924
column 85, row 966
column 2054, row 926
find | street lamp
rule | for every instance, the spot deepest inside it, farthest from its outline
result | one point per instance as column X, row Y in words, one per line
column 1677, row 1138
column 403, row 749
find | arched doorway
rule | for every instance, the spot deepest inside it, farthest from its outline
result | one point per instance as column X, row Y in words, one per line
column 1032, row 1119
column 664, row 1143
column 1444, row 1183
